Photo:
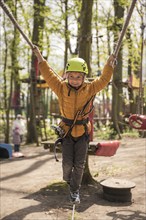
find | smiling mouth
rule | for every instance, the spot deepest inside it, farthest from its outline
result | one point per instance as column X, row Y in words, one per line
column 75, row 86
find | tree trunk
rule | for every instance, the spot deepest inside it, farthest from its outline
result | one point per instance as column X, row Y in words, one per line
column 117, row 91
column 97, row 35
column 85, row 41
column 6, row 128
column 37, row 39
column 87, row 177
column 66, row 33
column 130, row 90
column 85, row 37
column 14, row 78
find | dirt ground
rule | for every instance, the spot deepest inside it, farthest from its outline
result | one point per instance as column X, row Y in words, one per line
column 32, row 187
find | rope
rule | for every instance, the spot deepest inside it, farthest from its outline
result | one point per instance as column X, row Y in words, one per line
column 115, row 53
column 73, row 212
column 9, row 14
column 7, row 11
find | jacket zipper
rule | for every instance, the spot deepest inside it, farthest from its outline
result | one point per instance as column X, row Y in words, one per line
column 76, row 93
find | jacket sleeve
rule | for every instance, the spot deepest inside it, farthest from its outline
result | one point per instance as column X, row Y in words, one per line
column 50, row 77
column 100, row 83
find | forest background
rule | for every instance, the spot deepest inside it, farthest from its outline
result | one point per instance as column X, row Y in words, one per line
column 63, row 29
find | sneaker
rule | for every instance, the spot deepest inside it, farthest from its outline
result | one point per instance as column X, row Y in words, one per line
column 75, row 197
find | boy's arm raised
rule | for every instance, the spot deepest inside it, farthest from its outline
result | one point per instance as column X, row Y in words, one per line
column 52, row 79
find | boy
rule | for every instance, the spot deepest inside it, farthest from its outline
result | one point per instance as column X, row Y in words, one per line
column 74, row 96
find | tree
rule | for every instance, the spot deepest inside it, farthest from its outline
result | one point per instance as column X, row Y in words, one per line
column 15, row 65
column 72, row 41
column 66, row 33
column 85, row 36
column 85, row 40
column 117, row 101
column 14, row 78
column 37, row 38
column 130, row 89
column 7, row 101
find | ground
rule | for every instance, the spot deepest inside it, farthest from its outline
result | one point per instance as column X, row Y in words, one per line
column 32, row 187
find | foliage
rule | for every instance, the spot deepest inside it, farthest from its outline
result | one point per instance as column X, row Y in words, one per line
column 105, row 133
column 130, row 133
column 52, row 42
column 50, row 134
column 108, row 133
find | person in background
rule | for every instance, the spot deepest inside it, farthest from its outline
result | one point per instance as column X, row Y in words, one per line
column 75, row 95
column 20, row 123
column 16, row 138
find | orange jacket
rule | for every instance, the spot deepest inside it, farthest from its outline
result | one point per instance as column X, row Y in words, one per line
column 72, row 100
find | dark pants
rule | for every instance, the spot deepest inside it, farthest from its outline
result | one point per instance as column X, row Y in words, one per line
column 16, row 147
column 74, row 152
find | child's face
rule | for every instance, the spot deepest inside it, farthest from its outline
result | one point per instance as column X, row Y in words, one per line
column 75, row 79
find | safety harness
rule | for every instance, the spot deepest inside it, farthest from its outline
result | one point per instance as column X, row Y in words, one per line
column 78, row 122
column 74, row 122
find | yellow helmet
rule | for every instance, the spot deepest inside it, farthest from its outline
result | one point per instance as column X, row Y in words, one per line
column 77, row 65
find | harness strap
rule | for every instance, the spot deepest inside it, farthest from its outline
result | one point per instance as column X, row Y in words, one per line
column 91, row 109
column 86, row 105
column 59, row 140
column 75, row 122
column 78, row 122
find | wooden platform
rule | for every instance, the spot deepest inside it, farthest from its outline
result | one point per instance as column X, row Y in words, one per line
column 50, row 145
column 105, row 148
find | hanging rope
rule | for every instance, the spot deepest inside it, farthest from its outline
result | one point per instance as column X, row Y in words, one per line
column 9, row 14
column 116, row 51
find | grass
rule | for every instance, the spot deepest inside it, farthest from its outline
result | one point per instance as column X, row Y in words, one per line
column 106, row 133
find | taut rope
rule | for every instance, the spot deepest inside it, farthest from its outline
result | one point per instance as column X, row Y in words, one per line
column 10, row 15
column 73, row 212
column 7, row 11
column 115, row 53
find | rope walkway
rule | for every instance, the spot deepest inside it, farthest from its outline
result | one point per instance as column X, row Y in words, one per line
column 73, row 212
